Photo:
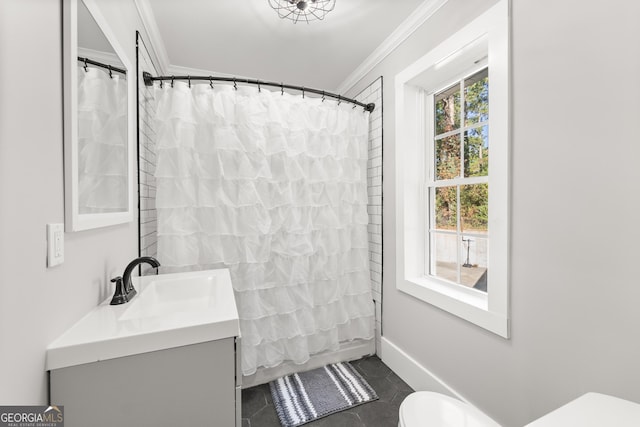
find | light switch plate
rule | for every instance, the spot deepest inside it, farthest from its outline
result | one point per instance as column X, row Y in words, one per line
column 55, row 244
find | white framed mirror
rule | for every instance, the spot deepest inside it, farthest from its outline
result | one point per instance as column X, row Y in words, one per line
column 99, row 134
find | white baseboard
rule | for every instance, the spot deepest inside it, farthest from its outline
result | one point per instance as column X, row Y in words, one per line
column 414, row 374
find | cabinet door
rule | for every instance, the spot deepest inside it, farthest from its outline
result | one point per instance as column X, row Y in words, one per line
column 187, row 386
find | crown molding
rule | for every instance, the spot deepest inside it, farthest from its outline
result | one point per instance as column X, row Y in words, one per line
column 395, row 39
column 153, row 32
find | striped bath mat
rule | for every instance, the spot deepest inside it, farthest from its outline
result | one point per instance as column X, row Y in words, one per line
column 307, row 396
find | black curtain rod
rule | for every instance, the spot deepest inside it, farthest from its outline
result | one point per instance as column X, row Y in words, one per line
column 100, row 64
column 149, row 79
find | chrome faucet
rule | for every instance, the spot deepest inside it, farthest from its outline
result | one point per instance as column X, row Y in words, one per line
column 124, row 288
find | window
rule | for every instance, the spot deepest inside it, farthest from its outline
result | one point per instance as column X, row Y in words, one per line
column 457, row 182
column 452, row 174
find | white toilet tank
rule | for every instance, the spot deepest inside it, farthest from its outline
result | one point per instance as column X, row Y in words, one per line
column 593, row 410
column 426, row 408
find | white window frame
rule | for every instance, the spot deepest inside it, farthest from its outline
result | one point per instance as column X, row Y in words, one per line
column 489, row 33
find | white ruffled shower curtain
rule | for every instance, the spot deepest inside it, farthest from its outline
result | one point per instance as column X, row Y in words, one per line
column 273, row 187
column 102, row 141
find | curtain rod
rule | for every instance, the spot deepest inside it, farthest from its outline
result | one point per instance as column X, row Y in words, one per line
column 149, row 79
column 100, row 64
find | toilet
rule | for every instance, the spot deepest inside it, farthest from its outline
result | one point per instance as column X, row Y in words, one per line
column 429, row 409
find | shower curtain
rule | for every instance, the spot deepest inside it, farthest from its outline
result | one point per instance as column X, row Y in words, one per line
column 272, row 186
column 102, row 141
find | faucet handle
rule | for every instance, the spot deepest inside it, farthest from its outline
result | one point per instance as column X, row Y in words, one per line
column 119, row 296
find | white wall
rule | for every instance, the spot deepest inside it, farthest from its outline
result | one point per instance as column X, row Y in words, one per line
column 36, row 303
column 575, row 290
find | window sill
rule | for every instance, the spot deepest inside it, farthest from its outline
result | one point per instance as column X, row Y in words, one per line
column 467, row 304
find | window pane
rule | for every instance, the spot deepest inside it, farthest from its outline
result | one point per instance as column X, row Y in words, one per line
column 476, row 151
column 446, row 208
column 476, row 98
column 444, row 256
column 447, row 109
column 474, row 207
column 473, row 271
column 448, row 157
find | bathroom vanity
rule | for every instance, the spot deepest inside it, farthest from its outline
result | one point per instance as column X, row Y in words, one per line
column 166, row 358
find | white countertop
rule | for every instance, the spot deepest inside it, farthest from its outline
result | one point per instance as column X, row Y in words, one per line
column 149, row 322
column 592, row 410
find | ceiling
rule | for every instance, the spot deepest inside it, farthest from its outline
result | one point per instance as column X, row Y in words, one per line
column 247, row 38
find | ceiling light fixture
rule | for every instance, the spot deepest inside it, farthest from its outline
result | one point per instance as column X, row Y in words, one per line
column 302, row 10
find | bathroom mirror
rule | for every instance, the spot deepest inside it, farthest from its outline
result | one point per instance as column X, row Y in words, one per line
column 99, row 86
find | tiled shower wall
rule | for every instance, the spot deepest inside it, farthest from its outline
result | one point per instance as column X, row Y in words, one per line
column 373, row 93
column 147, row 158
column 147, row 162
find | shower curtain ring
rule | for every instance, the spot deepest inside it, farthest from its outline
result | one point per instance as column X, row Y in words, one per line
column 211, row 82
column 172, row 77
column 302, row 92
column 85, row 65
column 235, row 85
column 322, row 96
column 354, row 106
column 339, row 99
column 110, row 72
column 259, row 89
column 281, row 88
column 189, row 80
column 161, row 83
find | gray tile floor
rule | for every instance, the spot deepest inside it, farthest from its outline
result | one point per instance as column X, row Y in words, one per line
column 258, row 410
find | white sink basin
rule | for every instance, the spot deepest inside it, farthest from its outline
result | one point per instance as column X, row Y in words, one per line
column 170, row 295
column 170, row 310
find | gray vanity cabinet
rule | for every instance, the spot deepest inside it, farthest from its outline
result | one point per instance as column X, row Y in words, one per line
column 193, row 385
